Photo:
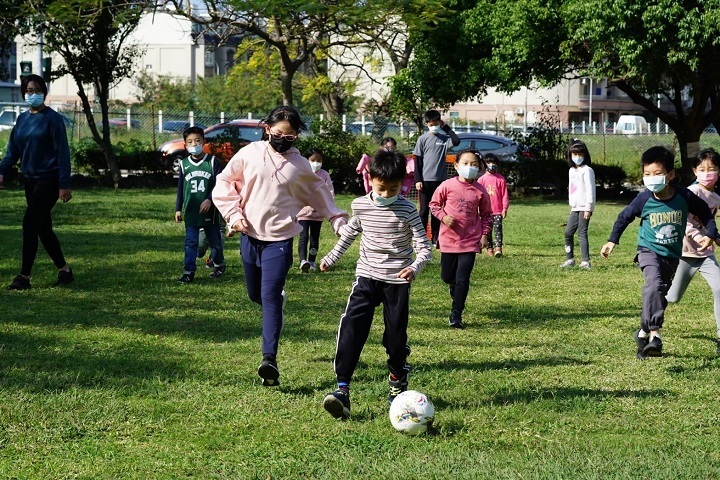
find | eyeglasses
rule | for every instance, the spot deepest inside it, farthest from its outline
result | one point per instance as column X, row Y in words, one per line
column 280, row 136
column 32, row 91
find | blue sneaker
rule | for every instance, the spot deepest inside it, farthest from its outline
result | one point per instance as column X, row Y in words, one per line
column 337, row 404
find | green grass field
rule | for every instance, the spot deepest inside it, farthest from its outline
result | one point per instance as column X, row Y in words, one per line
column 126, row 374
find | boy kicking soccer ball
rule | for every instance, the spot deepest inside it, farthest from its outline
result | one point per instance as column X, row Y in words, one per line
column 390, row 227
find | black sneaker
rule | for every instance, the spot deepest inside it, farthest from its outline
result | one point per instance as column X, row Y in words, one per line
column 65, row 278
column 641, row 344
column 654, row 347
column 456, row 320
column 397, row 387
column 19, row 283
column 218, row 272
column 269, row 373
column 186, row 277
column 337, row 404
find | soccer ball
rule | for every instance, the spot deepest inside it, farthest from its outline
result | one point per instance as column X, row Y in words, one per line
column 412, row 412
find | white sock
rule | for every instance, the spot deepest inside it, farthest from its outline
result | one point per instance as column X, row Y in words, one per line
column 653, row 335
column 642, row 334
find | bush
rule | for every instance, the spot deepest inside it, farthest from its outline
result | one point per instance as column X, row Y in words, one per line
column 134, row 155
column 342, row 152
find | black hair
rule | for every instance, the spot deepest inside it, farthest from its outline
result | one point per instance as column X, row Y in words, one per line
column 388, row 166
column 33, row 78
column 431, row 116
column 284, row 113
column 491, row 158
column 478, row 155
column 388, row 139
column 578, row 147
column 193, row 129
column 660, row 155
column 315, row 151
column 707, row 154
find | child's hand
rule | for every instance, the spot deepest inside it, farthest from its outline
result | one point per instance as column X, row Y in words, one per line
column 448, row 220
column 705, row 242
column 178, row 217
column 324, row 266
column 241, row 226
column 406, row 274
column 587, row 215
column 418, row 186
column 607, row 249
column 483, row 242
column 504, row 213
column 205, row 206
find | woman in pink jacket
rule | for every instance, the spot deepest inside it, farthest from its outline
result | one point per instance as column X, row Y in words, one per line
column 259, row 193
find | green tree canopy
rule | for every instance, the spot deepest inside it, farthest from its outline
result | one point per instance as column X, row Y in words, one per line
column 644, row 47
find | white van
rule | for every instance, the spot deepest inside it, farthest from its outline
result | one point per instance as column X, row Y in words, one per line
column 631, row 125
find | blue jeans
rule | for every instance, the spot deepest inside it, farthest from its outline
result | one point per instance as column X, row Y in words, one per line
column 192, row 236
column 266, row 266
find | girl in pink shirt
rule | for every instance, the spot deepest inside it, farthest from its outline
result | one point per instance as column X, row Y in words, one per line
column 496, row 186
column 463, row 207
column 694, row 259
column 311, row 220
column 259, row 193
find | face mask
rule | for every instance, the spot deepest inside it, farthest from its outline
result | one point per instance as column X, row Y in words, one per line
column 468, row 171
column 577, row 159
column 195, row 150
column 491, row 167
column 280, row 145
column 655, row 183
column 707, row 179
column 34, row 99
column 316, row 166
column 384, row 201
column 434, row 128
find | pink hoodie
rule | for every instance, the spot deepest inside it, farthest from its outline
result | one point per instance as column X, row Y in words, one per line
column 496, row 186
column 268, row 189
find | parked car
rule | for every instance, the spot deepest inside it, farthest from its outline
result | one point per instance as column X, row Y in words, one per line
column 505, row 149
column 221, row 140
column 120, row 123
column 177, row 126
column 7, row 119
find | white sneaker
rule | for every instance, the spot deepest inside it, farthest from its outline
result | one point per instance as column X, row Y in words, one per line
column 305, row 266
column 585, row 265
column 568, row 263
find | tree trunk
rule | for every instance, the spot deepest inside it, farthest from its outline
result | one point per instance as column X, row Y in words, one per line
column 286, row 79
column 103, row 141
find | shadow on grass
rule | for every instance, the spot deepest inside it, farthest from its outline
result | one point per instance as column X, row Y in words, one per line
column 561, row 396
column 42, row 363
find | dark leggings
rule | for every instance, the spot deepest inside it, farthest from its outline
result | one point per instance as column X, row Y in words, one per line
column 310, row 231
column 41, row 197
column 455, row 270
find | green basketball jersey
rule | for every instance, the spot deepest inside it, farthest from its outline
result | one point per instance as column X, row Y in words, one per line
column 198, row 182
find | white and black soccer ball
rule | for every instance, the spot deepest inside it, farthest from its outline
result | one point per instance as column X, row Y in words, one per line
column 412, row 413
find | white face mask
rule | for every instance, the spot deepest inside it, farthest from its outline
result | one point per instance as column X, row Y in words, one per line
column 655, row 183
column 195, row 150
column 577, row 159
column 434, row 128
column 468, row 171
column 316, row 166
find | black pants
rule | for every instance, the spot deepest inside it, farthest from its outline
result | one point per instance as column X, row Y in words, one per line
column 355, row 325
column 455, row 270
column 658, row 272
column 425, row 195
column 311, row 232
column 41, row 196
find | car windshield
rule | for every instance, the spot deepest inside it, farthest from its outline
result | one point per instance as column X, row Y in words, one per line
column 250, row 134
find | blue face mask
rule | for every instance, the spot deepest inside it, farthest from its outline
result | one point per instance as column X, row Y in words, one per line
column 655, row 183
column 577, row 159
column 384, row 201
column 195, row 150
column 34, row 99
column 468, row 171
